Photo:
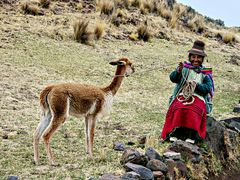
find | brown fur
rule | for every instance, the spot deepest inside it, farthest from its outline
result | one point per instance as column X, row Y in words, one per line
column 60, row 100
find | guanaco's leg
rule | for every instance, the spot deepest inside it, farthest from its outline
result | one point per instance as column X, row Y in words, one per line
column 87, row 133
column 56, row 121
column 92, row 125
column 45, row 121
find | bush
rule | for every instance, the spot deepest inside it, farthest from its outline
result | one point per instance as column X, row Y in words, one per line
column 106, row 7
column 196, row 24
column 45, row 3
column 143, row 32
column 28, row 8
column 99, row 30
column 228, row 37
column 81, row 32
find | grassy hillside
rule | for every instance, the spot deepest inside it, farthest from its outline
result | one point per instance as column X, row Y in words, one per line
column 40, row 50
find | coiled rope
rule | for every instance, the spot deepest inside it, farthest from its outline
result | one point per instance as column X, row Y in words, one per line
column 187, row 92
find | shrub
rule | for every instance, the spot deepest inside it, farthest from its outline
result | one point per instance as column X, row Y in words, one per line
column 163, row 11
column 45, row 3
column 173, row 21
column 106, row 7
column 133, row 37
column 81, row 32
column 228, row 37
column 197, row 24
column 99, row 30
column 28, row 8
column 143, row 32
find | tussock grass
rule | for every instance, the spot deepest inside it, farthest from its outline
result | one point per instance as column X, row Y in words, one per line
column 173, row 22
column 81, row 31
column 106, row 6
column 29, row 8
column 228, row 37
column 197, row 24
column 133, row 37
column 79, row 6
column 163, row 11
column 144, row 32
column 45, row 3
column 99, row 30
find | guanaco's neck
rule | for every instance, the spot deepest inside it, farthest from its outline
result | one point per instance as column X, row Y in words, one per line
column 117, row 80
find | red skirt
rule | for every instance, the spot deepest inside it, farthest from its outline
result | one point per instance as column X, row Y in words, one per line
column 192, row 116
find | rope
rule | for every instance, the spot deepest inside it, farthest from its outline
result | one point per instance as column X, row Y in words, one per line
column 187, row 91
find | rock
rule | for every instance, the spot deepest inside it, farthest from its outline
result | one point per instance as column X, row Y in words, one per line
column 223, row 141
column 119, row 146
column 235, row 60
column 172, row 155
column 156, row 165
column 176, row 169
column 196, row 159
column 237, row 108
column 144, row 172
column 12, row 178
column 142, row 140
column 5, row 136
column 133, row 156
column 109, row 176
column 92, row 178
column 187, row 150
column 232, row 123
column 130, row 176
column 158, row 175
column 130, row 143
column 151, row 153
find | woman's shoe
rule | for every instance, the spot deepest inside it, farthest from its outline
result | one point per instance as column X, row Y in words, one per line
column 191, row 141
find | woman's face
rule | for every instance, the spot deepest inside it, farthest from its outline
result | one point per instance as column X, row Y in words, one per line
column 196, row 60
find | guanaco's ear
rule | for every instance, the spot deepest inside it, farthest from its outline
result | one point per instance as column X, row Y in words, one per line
column 121, row 63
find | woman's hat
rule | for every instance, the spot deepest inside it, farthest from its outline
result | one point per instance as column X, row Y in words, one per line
column 198, row 48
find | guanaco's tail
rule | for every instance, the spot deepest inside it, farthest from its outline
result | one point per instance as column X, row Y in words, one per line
column 43, row 97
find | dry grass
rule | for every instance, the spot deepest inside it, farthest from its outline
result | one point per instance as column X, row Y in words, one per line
column 79, row 6
column 29, row 8
column 144, row 32
column 81, row 31
column 197, row 24
column 164, row 11
column 106, row 6
column 45, row 3
column 99, row 30
column 173, row 22
column 133, row 37
column 228, row 37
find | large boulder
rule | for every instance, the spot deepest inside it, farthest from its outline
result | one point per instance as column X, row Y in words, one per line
column 223, row 141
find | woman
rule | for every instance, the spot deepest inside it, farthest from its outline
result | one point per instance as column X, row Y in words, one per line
column 191, row 99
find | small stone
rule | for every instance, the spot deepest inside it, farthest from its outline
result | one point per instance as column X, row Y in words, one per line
column 130, row 143
column 5, row 136
column 119, row 146
column 12, row 178
column 237, row 108
column 157, row 165
column 144, row 172
column 151, row 153
column 109, row 176
column 158, row 175
column 130, row 176
column 142, row 140
column 172, row 155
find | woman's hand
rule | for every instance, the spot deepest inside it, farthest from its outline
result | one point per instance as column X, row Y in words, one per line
column 180, row 67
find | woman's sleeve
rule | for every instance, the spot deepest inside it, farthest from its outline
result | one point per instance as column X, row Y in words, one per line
column 175, row 76
column 205, row 87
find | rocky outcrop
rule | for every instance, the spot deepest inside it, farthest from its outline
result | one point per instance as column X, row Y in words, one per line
column 214, row 158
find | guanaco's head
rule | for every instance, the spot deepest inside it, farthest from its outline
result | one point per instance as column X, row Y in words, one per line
column 125, row 63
